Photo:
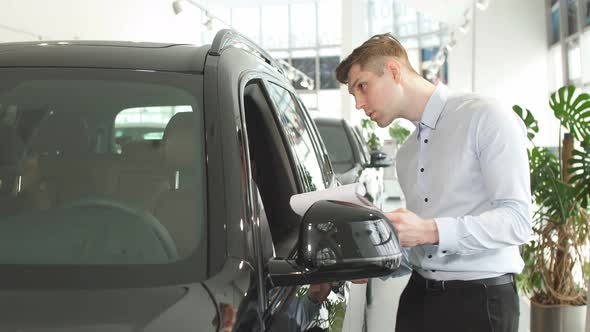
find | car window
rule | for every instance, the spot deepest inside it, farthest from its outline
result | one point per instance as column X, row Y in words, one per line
column 322, row 152
column 338, row 145
column 299, row 137
column 143, row 123
column 364, row 149
column 100, row 167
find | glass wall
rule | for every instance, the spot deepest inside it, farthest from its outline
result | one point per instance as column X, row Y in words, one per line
column 567, row 50
column 305, row 34
column 420, row 35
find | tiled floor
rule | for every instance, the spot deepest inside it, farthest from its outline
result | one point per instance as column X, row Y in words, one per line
column 385, row 295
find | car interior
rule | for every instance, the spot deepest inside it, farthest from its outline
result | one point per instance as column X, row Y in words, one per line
column 66, row 167
column 274, row 176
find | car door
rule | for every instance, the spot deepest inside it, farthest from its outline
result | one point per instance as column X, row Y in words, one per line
column 314, row 173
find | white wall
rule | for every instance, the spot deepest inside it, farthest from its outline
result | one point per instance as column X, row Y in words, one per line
column 136, row 20
column 354, row 33
column 511, row 60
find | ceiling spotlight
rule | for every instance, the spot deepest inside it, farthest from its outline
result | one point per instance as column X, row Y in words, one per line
column 482, row 4
column 453, row 41
column 209, row 23
column 177, row 7
column 304, row 83
column 290, row 75
column 465, row 26
column 467, row 13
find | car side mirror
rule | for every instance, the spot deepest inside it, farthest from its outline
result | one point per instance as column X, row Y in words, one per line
column 380, row 159
column 339, row 241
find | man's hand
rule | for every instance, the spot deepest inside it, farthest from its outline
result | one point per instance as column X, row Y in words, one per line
column 319, row 292
column 411, row 229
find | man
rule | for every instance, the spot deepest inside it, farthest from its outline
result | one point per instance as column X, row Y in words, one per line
column 465, row 176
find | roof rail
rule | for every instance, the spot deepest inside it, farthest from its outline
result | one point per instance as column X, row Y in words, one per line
column 227, row 38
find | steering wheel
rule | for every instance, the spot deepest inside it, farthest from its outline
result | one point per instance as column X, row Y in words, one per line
column 147, row 218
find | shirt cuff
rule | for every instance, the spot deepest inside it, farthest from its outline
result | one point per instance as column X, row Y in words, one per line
column 448, row 240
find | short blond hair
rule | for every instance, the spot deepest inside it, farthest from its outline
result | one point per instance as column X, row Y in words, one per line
column 373, row 53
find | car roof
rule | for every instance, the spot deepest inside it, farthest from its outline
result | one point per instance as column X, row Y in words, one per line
column 105, row 54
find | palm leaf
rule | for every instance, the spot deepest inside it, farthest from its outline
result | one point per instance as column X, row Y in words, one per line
column 579, row 166
column 555, row 196
column 573, row 113
column 529, row 120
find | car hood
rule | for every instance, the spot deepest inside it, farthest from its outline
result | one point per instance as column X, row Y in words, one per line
column 156, row 309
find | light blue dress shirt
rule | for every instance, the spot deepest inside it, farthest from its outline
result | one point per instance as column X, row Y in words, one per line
column 466, row 166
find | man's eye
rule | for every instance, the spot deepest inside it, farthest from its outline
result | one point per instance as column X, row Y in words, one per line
column 362, row 86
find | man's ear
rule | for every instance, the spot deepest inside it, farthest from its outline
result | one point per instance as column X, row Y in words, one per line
column 393, row 68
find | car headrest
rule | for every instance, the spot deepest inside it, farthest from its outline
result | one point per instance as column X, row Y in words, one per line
column 179, row 143
column 142, row 150
column 12, row 148
column 60, row 134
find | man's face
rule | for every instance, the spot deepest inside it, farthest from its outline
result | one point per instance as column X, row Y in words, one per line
column 380, row 96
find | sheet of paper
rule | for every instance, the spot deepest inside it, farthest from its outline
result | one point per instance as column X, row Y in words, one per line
column 352, row 193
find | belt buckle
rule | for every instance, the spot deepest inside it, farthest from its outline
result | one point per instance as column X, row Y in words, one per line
column 435, row 286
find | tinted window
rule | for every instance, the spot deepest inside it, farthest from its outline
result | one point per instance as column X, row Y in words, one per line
column 338, row 146
column 299, row 137
column 366, row 155
column 98, row 167
column 322, row 152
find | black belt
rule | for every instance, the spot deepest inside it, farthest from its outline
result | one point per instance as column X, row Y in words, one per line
column 441, row 285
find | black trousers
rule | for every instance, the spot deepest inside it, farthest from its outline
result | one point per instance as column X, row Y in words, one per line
column 463, row 307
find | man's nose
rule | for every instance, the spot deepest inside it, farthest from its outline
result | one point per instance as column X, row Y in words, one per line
column 359, row 103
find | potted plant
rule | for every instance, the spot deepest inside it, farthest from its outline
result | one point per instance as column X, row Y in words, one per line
column 557, row 258
column 373, row 141
column 399, row 133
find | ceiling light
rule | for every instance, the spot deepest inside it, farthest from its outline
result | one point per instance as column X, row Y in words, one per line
column 177, row 7
column 465, row 26
column 209, row 23
column 482, row 4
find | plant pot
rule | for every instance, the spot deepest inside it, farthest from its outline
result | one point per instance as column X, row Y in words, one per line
column 557, row 318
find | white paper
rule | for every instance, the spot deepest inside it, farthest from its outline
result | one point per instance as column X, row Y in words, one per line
column 352, row 193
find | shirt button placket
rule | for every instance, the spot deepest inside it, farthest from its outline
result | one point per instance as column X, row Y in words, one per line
column 422, row 170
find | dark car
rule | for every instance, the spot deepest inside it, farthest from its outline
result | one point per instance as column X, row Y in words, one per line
column 351, row 158
column 146, row 187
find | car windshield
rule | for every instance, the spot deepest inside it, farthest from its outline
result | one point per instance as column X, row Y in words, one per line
column 100, row 166
column 338, row 146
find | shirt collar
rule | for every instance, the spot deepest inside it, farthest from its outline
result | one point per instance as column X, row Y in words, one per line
column 435, row 106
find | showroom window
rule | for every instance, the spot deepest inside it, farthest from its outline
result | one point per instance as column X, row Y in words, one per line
column 421, row 36
column 291, row 33
column 569, row 43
